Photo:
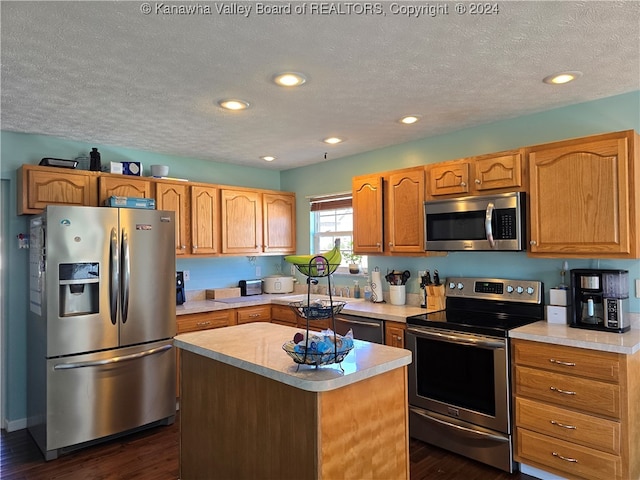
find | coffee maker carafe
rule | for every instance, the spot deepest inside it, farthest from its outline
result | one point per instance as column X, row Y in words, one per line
column 600, row 299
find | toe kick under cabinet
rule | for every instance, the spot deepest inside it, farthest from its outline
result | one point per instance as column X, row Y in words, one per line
column 577, row 411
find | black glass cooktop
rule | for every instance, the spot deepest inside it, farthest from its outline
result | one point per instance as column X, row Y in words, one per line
column 480, row 316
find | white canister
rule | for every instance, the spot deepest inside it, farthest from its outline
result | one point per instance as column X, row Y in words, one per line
column 277, row 284
column 397, row 294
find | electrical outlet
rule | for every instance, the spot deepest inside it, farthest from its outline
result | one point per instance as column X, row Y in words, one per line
column 293, row 270
column 258, row 271
column 187, row 275
column 637, row 287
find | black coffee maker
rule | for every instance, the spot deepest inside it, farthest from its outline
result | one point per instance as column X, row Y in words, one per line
column 600, row 299
column 180, row 298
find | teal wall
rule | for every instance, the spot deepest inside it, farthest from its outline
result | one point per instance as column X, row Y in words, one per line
column 611, row 114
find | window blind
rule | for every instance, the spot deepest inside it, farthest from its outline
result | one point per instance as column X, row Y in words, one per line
column 330, row 202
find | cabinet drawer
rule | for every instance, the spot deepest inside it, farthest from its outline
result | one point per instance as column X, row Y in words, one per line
column 203, row 321
column 568, row 391
column 261, row 313
column 568, row 425
column 574, row 361
column 575, row 460
column 284, row 315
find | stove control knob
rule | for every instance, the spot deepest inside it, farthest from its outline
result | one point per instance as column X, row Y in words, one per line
column 509, row 289
column 530, row 290
column 452, row 285
column 460, row 286
column 519, row 289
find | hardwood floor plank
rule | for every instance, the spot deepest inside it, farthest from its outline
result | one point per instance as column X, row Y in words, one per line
column 153, row 455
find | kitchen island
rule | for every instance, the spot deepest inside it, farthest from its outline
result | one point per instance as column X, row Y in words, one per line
column 248, row 411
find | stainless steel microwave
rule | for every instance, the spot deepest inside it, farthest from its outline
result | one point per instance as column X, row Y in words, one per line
column 489, row 222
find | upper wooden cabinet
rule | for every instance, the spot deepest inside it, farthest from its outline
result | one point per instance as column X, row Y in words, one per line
column 241, row 213
column 367, row 201
column 255, row 222
column 279, row 222
column 583, row 197
column 42, row 186
column 174, row 196
column 205, row 219
column 476, row 175
column 388, row 212
column 123, row 186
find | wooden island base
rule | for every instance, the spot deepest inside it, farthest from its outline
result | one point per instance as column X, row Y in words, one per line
column 236, row 424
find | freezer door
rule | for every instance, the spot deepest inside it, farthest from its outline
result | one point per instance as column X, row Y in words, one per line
column 76, row 259
column 147, row 275
column 95, row 395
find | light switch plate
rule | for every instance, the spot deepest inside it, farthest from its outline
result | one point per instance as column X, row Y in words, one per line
column 187, row 275
column 258, row 271
column 637, row 287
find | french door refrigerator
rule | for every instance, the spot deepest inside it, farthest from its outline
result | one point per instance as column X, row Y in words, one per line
column 101, row 323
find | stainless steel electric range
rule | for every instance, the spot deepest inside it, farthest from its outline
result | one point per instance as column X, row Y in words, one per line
column 459, row 380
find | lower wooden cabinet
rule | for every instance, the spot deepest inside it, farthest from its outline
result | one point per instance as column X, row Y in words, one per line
column 258, row 313
column 394, row 334
column 577, row 411
column 283, row 315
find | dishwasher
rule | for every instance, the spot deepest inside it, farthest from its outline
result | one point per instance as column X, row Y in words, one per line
column 367, row 329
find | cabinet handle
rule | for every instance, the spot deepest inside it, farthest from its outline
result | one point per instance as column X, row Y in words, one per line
column 478, row 182
column 203, row 324
column 559, row 362
column 183, row 247
column 566, row 459
column 195, row 247
column 390, row 244
column 463, row 184
column 562, row 425
column 564, row 392
column 254, row 315
column 533, row 242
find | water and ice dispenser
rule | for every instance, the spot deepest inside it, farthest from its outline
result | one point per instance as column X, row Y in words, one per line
column 79, row 288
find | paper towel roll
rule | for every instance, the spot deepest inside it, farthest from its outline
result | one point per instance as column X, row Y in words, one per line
column 376, row 287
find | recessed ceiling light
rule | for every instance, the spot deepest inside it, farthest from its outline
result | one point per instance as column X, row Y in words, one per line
column 268, row 158
column 333, row 140
column 233, row 104
column 409, row 119
column 289, row 79
column 562, row 78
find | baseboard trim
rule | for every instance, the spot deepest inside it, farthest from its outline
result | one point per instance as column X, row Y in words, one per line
column 14, row 425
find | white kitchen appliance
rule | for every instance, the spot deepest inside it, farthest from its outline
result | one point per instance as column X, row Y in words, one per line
column 102, row 317
column 278, row 284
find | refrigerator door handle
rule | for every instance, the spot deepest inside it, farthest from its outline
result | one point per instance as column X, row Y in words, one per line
column 109, row 361
column 126, row 272
column 114, row 279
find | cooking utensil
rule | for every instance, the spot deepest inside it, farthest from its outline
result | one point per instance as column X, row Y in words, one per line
column 405, row 276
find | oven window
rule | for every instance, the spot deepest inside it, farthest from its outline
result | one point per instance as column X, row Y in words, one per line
column 459, row 375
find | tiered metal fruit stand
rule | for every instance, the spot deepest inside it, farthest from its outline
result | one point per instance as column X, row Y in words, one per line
column 313, row 310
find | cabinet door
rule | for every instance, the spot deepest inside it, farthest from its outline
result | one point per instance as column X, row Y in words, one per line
column 123, row 186
column 279, row 214
column 241, row 221
column 579, row 197
column 405, row 216
column 394, row 334
column 173, row 197
column 40, row 186
column 491, row 172
column 283, row 315
column 367, row 214
column 448, row 178
column 204, row 220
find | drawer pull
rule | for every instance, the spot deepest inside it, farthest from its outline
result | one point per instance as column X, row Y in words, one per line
column 559, row 362
column 566, row 459
column 564, row 392
column 569, row 427
column 203, row 324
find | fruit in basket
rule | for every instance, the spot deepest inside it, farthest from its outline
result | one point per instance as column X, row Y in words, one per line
column 325, row 263
column 298, row 337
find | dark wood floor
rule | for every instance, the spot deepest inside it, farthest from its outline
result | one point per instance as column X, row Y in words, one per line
column 153, row 455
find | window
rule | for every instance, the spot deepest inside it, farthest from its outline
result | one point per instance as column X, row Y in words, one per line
column 331, row 219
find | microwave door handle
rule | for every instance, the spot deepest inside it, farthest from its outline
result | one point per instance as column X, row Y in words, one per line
column 487, row 224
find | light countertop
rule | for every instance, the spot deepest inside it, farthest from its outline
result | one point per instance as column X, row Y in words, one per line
column 561, row 334
column 257, row 347
column 354, row 306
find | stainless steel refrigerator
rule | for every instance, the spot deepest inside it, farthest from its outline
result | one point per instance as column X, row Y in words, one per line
column 101, row 360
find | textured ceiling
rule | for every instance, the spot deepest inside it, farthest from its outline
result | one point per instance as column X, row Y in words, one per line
column 105, row 73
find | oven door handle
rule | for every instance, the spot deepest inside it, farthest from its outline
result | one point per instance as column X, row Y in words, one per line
column 459, row 339
column 469, row 431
